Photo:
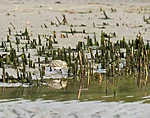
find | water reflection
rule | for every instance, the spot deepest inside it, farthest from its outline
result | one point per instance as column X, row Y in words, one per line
column 104, row 88
column 58, row 84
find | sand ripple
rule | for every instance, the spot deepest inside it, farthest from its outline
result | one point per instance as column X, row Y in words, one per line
column 73, row 109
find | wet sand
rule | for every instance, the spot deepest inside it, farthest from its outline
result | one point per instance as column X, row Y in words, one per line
column 73, row 109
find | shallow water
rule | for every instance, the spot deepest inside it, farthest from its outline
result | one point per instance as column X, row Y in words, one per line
column 121, row 97
column 121, row 88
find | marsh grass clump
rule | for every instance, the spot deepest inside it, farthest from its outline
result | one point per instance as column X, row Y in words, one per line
column 146, row 20
column 96, row 57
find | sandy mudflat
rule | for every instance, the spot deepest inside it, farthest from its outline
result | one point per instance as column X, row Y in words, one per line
column 33, row 15
column 73, row 109
column 129, row 16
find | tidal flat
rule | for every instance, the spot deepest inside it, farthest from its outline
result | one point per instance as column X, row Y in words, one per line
column 105, row 45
